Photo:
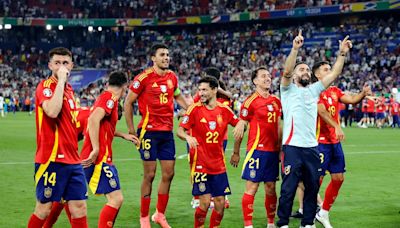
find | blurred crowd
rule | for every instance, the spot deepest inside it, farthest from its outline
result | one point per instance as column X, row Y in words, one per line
column 146, row 8
column 235, row 50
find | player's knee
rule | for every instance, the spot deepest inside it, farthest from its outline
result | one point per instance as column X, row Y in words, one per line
column 205, row 204
column 43, row 210
column 149, row 176
column 77, row 208
column 338, row 177
column 168, row 175
column 270, row 188
column 116, row 201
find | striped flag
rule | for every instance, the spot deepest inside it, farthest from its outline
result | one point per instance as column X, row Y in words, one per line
column 394, row 4
column 370, row 6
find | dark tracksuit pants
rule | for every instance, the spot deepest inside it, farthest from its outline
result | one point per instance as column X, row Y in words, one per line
column 299, row 164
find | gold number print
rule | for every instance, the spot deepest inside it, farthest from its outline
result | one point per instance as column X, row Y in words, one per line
column 321, row 157
column 163, row 98
column 332, row 110
column 108, row 172
column 212, row 137
column 200, row 177
column 146, row 144
column 252, row 161
column 271, row 117
column 49, row 178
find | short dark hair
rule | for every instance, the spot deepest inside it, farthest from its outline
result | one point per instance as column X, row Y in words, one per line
column 213, row 82
column 213, row 72
column 155, row 47
column 255, row 72
column 59, row 51
column 318, row 65
column 117, row 78
column 299, row 63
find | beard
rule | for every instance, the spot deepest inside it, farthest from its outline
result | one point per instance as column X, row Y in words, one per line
column 206, row 101
column 304, row 81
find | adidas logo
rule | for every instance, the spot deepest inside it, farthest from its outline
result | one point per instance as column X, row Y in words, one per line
column 227, row 190
column 154, row 85
column 203, row 120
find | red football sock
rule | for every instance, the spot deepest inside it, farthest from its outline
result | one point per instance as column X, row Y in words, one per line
column 247, row 209
column 215, row 219
column 162, row 202
column 66, row 207
column 270, row 206
column 145, row 206
column 35, row 222
column 199, row 217
column 56, row 209
column 331, row 193
column 79, row 222
column 107, row 216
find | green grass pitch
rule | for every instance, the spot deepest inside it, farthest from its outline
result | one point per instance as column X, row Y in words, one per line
column 369, row 196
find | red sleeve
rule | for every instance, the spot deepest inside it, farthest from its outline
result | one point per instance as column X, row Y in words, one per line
column 106, row 102
column 44, row 93
column 280, row 107
column 137, row 86
column 188, row 119
column 246, row 113
column 233, row 120
column 321, row 98
column 339, row 93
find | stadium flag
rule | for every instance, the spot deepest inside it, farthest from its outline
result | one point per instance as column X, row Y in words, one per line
column 394, row 4
column 264, row 15
column 205, row 19
column 244, row 16
column 235, row 17
column 370, row 6
column 216, row 19
column 356, row 7
column 193, row 20
column 135, row 22
column 147, row 21
column 182, row 21
column 383, row 5
column 169, row 21
column 254, row 15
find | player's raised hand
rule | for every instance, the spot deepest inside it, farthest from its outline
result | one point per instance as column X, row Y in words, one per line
column 192, row 142
column 345, row 45
column 367, row 90
column 62, row 74
column 298, row 41
column 91, row 159
column 235, row 158
column 238, row 131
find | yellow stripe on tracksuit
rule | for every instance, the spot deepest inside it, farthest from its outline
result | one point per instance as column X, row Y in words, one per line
column 95, row 179
column 43, row 167
column 193, row 168
column 144, row 125
column 251, row 151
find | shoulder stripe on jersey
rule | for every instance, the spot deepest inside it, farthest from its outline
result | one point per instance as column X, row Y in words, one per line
column 145, row 74
column 225, row 106
column 47, row 83
column 251, row 99
column 191, row 107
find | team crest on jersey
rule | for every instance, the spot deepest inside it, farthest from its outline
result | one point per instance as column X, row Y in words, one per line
column 47, row 92
column 170, row 84
column 212, row 125
column 287, row 169
column 71, row 103
column 146, row 154
column 112, row 183
column 110, row 104
column 329, row 101
column 245, row 112
column 163, row 88
column 270, row 108
column 185, row 119
column 202, row 187
column 252, row 173
column 48, row 192
column 136, row 84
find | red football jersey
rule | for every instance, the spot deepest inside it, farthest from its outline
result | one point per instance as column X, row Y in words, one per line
column 155, row 99
column 56, row 137
column 330, row 98
column 109, row 103
column 209, row 128
column 380, row 105
column 371, row 105
column 364, row 107
column 263, row 115
column 394, row 108
column 81, row 120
